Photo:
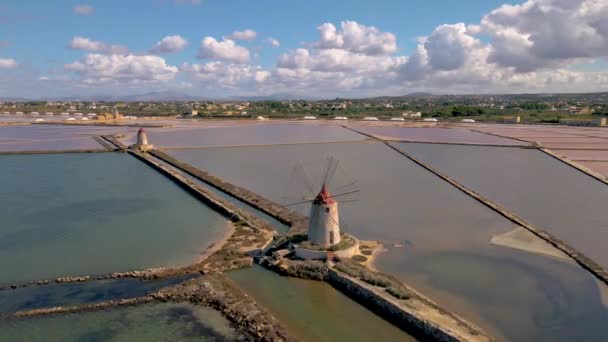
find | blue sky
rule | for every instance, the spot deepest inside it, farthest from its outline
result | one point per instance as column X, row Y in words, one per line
column 36, row 35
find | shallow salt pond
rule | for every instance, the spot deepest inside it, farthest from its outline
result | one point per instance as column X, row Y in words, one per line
column 245, row 134
column 546, row 192
column 53, row 137
column 149, row 322
column 445, row 237
column 437, row 135
column 88, row 214
column 313, row 310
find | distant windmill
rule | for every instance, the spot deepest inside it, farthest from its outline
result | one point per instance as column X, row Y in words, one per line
column 324, row 226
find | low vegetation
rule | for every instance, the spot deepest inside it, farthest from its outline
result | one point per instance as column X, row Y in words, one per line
column 392, row 286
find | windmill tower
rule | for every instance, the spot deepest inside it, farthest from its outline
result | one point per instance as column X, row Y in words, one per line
column 142, row 142
column 324, row 224
column 142, row 137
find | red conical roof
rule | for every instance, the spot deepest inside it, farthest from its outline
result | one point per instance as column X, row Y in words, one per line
column 324, row 196
column 141, row 130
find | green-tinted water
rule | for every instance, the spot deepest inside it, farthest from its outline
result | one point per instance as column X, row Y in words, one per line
column 313, row 310
column 150, row 322
column 80, row 214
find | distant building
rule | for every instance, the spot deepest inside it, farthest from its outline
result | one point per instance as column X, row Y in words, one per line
column 410, row 114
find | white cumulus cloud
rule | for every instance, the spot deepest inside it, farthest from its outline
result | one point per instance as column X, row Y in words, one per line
column 547, row 33
column 170, row 44
column 8, row 63
column 246, row 35
column 83, row 9
column 226, row 75
column 225, row 50
column 86, row 44
column 274, row 42
column 99, row 69
column 358, row 38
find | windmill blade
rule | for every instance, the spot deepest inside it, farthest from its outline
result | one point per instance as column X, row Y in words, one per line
column 343, row 194
column 303, row 202
column 347, row 185
column 299, row 169
column 332, row 171
column 330, row 163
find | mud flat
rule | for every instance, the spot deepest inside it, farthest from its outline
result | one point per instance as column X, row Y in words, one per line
column 522, row 239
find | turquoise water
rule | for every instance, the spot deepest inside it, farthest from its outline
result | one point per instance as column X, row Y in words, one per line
column 313, row 310
column 87, row 214
column 149, row 322
column 402, row 203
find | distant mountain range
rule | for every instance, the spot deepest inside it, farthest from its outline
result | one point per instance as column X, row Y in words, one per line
column 164, row 96
column 179, row 96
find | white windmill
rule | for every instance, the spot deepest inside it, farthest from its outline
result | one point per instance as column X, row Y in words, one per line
column 324, row 229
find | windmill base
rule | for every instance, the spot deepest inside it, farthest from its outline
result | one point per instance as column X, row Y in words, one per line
column 316, row 254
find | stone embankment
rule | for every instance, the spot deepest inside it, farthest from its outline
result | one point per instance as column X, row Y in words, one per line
column 53, row 151
column 78, row 309
column 297, row 221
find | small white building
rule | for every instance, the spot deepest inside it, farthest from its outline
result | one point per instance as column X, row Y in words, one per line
column 49, row 113
column 340, row 118
column 430, row 120
column 370, row 118
column 468, row 120
column 310, row 117
column 397, row 119
column 260, row 118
